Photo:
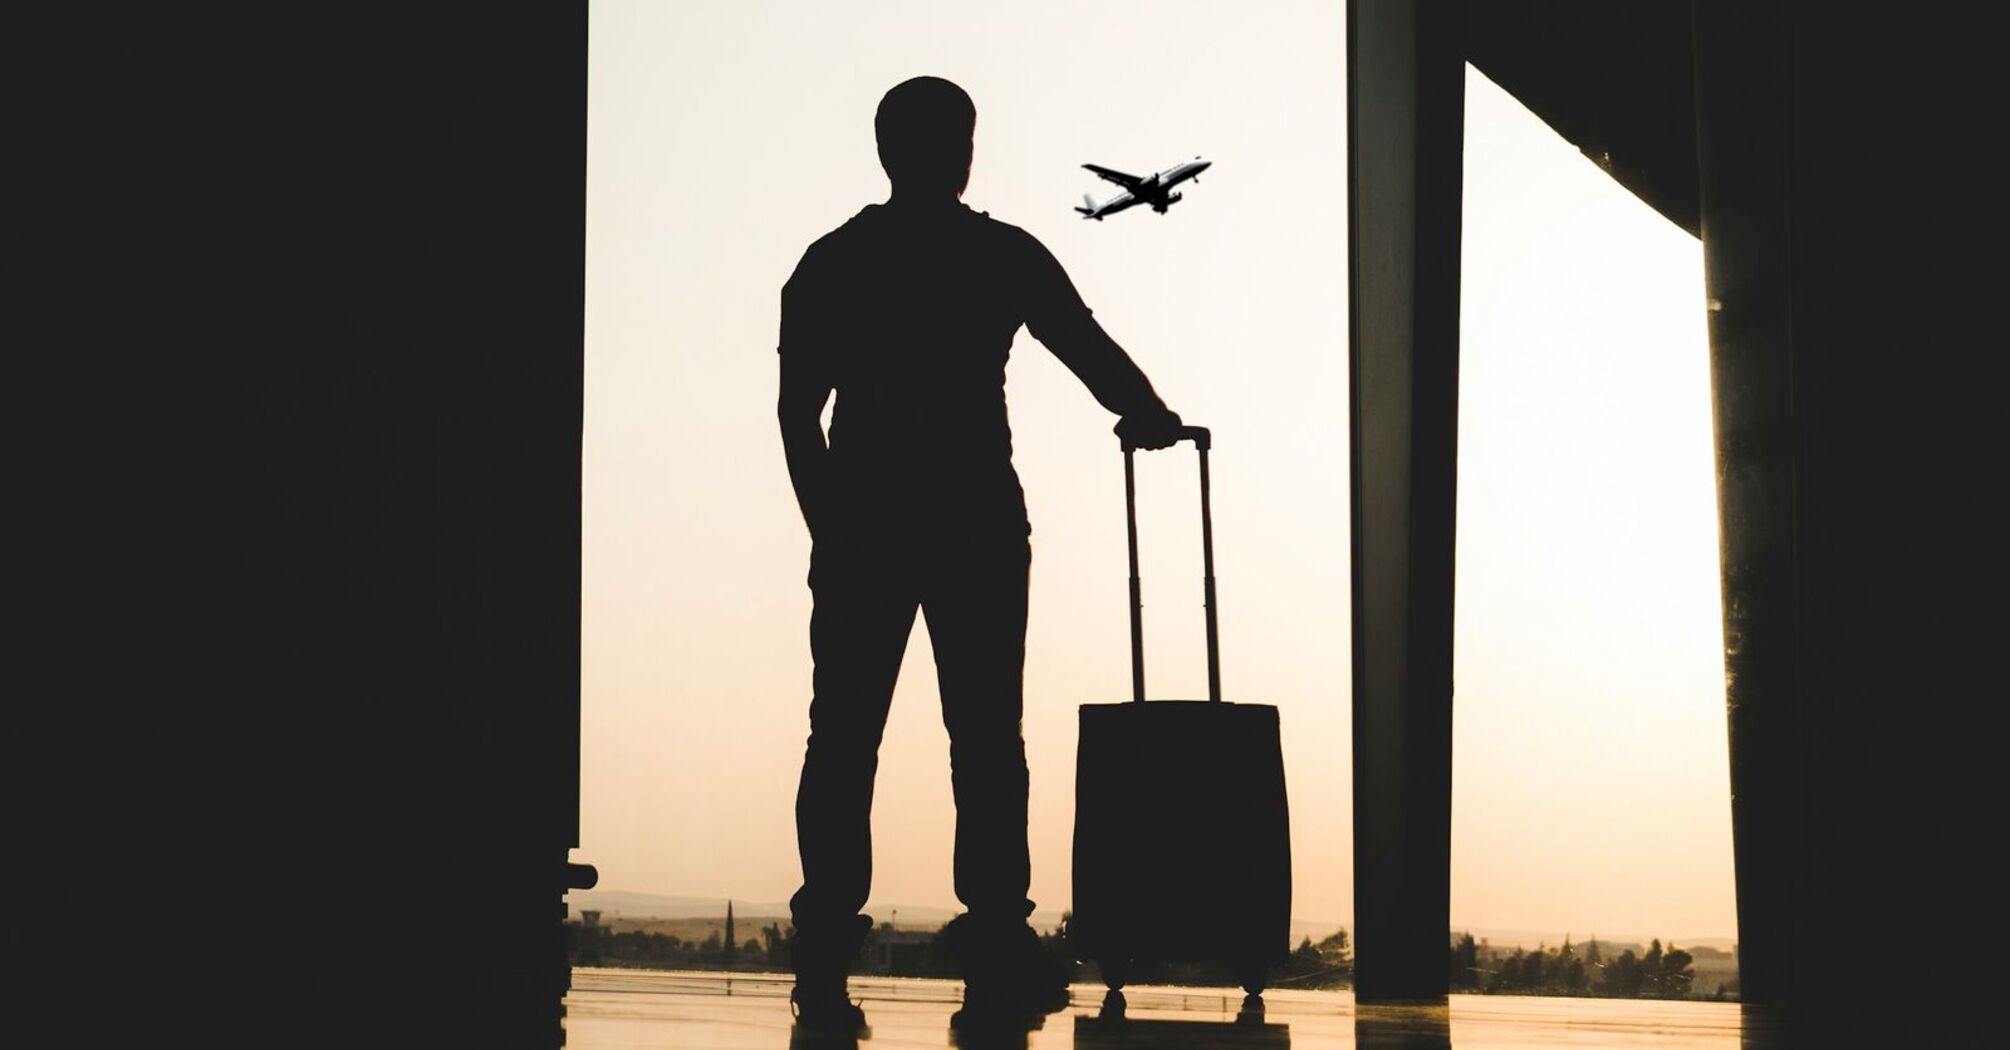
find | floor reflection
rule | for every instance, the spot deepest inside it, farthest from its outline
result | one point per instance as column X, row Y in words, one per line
column 640, row 1010
column 801, row 1039
column 1407, row 1027
column 966, row 1036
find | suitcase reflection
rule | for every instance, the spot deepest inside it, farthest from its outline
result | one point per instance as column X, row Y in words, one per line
column 1096, row 1032
column 1113, row 1028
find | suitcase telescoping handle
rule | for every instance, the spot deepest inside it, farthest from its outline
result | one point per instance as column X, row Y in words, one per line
column 1202, row 440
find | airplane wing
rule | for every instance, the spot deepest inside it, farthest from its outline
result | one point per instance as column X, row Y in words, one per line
column 1129, row 182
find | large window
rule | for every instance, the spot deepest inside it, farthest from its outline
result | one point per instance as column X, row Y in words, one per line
column 1591, row 782
column 724, row 138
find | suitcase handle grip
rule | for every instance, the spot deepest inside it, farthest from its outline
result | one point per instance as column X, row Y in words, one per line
column 1202, row 441
column 1200, row 436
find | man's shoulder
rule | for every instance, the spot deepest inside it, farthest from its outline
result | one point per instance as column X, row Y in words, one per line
column 1005, row 233
column 839, row 250
column 818, row 260
column 1012, row 248
column 873, row 230
column 835, row 241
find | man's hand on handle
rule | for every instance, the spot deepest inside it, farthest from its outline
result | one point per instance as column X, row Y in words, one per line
column 1159, row 429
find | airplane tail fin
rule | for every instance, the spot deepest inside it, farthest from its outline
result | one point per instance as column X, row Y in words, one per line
column 1088, row 205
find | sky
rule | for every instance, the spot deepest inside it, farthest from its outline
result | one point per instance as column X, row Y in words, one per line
column 1590, row 780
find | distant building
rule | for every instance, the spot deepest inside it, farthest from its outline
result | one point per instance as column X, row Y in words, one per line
column 732, row 946
column 899, row 953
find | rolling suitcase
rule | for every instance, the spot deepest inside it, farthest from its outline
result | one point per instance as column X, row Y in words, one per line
column 1182, row 836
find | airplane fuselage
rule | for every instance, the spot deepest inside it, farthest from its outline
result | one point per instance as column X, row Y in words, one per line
column 1179, row 173
column 1155, row 189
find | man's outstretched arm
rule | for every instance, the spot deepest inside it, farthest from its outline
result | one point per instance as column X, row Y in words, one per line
column 1057, row 316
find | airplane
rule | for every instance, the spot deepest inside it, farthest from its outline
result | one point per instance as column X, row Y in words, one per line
column 1154, row 189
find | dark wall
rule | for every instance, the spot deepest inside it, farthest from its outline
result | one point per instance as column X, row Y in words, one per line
column 303, row 479
column 1860, row 463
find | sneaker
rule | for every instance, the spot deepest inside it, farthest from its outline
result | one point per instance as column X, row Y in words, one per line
column 821, row 953
column 1006, row 973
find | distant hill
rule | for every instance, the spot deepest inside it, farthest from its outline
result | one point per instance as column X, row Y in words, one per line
column 626, row 904
column 636, row 907
column 1502, row 937
column 659, row 906
column 629, row 905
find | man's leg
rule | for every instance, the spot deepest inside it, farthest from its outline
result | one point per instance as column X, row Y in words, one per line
column 863, row 614
column 975, row 603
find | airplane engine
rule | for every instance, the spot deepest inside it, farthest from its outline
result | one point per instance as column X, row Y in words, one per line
column 1172, row 197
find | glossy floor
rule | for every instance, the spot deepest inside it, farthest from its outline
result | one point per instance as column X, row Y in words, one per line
column 711, row 1011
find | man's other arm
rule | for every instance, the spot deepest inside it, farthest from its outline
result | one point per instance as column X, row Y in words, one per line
column 805, row 387
column 1057, row 316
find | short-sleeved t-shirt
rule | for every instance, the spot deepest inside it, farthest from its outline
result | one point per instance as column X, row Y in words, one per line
column 909, row 313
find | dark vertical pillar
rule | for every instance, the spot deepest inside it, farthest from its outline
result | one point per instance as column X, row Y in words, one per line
column 1406, row 83
column 1742, row 161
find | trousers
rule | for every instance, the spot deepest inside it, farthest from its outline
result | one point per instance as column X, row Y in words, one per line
column 971, row 590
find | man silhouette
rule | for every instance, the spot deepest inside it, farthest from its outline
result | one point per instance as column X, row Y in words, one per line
column 908, row 312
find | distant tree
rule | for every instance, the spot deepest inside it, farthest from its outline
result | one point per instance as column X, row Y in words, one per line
column 1509, row 975
column 1677, row 977
column 777, row 943
column 1465, row 974
column 1660, row 972
column 1622, row 978
column 1303, row 962
column 1326, row 963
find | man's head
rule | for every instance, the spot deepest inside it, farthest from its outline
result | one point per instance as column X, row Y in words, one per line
column 925, row 127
